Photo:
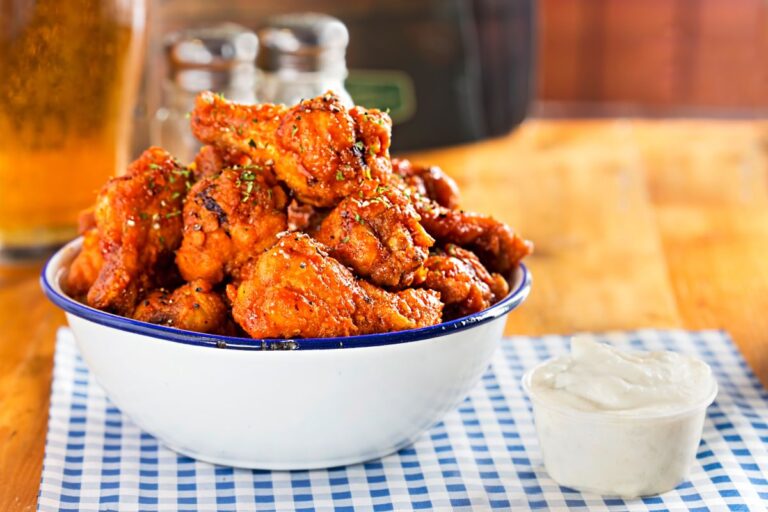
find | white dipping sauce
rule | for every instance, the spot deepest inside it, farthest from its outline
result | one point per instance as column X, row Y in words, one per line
column 619, row 423
column 598, row 377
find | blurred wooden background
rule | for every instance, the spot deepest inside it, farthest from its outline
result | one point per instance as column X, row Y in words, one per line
column 595, row 57
column 654, row 57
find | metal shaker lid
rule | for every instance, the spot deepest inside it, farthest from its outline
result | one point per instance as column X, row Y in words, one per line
column 303, row 42
column 220, row 58
column 217, row 47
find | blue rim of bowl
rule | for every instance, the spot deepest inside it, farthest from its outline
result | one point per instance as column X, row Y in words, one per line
column 501, row 308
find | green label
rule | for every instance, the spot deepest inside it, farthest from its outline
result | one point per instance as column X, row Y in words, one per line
column 383, row 89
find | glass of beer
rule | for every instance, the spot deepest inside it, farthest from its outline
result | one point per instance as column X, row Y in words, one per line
column 69, row 71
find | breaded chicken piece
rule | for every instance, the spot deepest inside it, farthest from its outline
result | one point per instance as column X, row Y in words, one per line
column 377, row 233
column 429, row 181
column 85, row 267
column 297, row 290
column 304, row 217
column 385, row 311
column 138, row 218
column 229, row 219
column 86, row 220
column 464, row 284
column 319, row 148
column 495, row 243
column 192, row 307
column 208, row 162
column 498, row 246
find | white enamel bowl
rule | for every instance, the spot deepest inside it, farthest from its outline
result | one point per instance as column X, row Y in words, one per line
column 277, row 404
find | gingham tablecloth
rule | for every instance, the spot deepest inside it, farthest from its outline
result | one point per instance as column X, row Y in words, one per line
column 484, row 455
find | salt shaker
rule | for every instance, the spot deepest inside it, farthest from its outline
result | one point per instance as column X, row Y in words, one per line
column 302, row 56
column 219, row 58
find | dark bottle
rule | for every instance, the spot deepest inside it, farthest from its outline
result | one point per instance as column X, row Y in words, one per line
column 450, row 71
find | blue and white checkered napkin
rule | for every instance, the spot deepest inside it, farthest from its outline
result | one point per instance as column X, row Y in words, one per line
column 484, row 455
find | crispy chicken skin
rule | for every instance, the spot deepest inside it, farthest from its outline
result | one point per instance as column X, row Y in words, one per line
column 138, row 218
column 86, row 220
column 208, row 162
column 297, row 290
column 229, row 219
column 85, row 267
column 429, row 181
column 498, row 246
column 304, row 217
column 319, row 148
column 193, row 307
column 385, row 311
column 377, row 233
column 464, row 284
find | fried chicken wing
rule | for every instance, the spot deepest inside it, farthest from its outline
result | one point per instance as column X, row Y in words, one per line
column 319, row 148
column 211, row 160
column 385, row 311
column 85, row 267
column 208, row 162
column 304, row 217
column 429, row 181
column 229, row 219
column 138, row 219
column 297, row 290
column 193, row 307
column 464, row 284
column 497, row 244
column 377, row 233
column 86, row 220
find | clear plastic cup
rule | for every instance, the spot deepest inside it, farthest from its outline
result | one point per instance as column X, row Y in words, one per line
column 617, row 455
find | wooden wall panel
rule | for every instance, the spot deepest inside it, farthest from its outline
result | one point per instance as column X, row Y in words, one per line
column 731, row 55
column 667, row 56
column 639, row 50
column 560, row 63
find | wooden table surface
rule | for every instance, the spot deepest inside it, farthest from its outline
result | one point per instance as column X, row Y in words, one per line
column 636, row 224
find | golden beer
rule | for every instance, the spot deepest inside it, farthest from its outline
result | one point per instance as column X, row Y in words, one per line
column 68, row 74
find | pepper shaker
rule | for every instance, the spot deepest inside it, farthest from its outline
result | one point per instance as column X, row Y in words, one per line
column 218, row 58
column 302, row 56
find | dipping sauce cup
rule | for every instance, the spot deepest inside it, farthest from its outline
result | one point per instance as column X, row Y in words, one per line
column 627, row 454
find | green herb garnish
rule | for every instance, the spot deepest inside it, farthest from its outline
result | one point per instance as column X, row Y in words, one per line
column 248, row 190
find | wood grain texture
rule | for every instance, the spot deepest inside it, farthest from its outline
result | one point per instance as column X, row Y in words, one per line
column 577, row 191
column 27, row 328
column 636, row 224
column 658, row 56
